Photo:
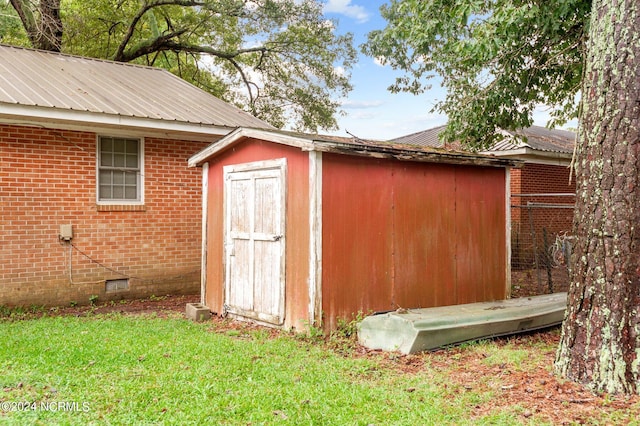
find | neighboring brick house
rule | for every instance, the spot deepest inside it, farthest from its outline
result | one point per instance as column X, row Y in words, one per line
column 542, row 192
column 547, row 157
column 95, row 195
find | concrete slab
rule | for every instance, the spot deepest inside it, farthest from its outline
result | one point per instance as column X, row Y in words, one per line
column 415, row 330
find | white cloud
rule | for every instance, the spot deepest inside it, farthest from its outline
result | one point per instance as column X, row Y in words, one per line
column 344, row 7
column 361, row 104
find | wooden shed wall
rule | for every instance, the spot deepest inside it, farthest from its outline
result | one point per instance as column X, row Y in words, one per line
column 297, row 225
column 399, row 234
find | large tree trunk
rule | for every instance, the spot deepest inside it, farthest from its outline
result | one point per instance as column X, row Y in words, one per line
column 44, row 25
column 600, row 343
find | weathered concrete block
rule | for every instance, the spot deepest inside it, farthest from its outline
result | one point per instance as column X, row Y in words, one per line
column 198, row 312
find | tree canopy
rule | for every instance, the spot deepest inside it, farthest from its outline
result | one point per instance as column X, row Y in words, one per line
column 280, row 60
column 498, row 59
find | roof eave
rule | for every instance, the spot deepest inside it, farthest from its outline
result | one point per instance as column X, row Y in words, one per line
column 530, row 155
column 317, row 144
column 244, row 132
column 417, row 155
column 90, row 121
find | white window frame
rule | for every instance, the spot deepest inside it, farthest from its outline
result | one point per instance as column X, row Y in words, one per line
column 140, row 195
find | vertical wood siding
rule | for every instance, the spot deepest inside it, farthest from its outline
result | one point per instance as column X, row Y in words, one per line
column 297, row 225
column 399, row 234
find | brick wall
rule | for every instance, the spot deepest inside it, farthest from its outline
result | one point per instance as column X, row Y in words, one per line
column 529, row 223
column 48, row 178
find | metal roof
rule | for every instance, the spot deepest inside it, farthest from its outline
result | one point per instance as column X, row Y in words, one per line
column 427, row 137
column 538, row 138
column 349, row 146
column 59, row 82
column 535, row 137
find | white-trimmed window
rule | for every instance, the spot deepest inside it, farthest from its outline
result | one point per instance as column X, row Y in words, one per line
column 119, row 179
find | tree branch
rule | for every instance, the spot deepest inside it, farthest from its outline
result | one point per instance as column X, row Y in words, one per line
column 158, row 44
column 120, row 54
column 165, row 42
column 45, row 31
column 247, row 83
column 28, row 21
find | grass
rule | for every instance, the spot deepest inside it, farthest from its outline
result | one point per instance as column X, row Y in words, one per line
column 141, row 370
column 119, row 369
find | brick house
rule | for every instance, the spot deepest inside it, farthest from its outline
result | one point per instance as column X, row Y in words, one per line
column 542, row 193
column 95, row 195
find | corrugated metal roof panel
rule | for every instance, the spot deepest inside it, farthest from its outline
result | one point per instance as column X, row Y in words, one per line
column 534, row 137
column 427, row 137
column 541, row 139
column 45, row 79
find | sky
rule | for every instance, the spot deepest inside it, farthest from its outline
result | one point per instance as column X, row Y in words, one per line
column 372, row 111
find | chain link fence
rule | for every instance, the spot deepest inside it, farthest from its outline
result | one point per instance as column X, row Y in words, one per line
column 541, row 242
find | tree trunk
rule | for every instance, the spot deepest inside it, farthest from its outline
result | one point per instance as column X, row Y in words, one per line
column 600, row 343
column 44, row 28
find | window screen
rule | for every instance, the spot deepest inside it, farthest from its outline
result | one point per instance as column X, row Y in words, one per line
column 119, row 169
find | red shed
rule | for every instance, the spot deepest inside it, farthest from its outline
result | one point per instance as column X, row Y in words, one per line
column 304, row 229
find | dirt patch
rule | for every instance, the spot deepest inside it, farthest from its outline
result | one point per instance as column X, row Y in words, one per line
column 536, row 391
column 157, row 305
column 532, row 282
column 161, row 305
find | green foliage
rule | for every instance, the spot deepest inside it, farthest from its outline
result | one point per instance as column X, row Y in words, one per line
column 155, row 298
column 313, row 333
column 348, row 328
column 498, row 59
column 12, row 312
column 22, row 312
column 280, row 60
column 11, row 30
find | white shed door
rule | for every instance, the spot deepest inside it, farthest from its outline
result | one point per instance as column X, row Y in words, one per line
column 255, row 240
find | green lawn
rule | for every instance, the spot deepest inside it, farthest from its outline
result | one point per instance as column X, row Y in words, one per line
column 124, row 369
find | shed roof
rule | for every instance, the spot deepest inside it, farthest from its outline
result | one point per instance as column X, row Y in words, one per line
column 533, row 138
column 45, row 84
column 349, row 146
